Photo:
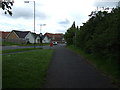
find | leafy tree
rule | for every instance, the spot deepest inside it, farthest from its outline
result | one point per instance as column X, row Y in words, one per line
column 7, row 7
column 70, row 34
column 100, row 35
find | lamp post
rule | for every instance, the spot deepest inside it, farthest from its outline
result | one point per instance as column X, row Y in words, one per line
column 34, row 18
column 41, row 26
column 40, row 32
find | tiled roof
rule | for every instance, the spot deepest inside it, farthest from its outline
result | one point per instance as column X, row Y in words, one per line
column 3, row 34
column 21, row 34
column 54, row 37
column 35, row 35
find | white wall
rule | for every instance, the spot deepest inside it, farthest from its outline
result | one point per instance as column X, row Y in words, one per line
column 46, row 40
column 30, row 37
column 38, row 38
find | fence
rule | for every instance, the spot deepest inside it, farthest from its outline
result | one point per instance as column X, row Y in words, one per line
column 17, row 41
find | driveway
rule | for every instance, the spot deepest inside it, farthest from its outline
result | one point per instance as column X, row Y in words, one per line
column 69, row 70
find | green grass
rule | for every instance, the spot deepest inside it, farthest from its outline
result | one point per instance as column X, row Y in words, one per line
column 0, row 42
column 0, row 71
column 108, row 68
column 4, row 43
column 18, row 50
column 37, row 44
column 25, row 70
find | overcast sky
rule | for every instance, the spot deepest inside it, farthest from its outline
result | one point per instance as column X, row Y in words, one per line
column 58, row 15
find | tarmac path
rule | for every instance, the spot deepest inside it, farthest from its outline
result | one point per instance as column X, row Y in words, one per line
column 69, row 70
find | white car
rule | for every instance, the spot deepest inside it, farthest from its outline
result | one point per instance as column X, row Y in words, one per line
column 54, row 43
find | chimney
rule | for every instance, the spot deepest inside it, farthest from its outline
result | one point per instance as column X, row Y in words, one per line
column 40, row 34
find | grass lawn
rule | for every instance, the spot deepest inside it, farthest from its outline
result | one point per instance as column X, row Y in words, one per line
column 108, row 68
column 19, row 50
column 25, row 70
column 4, row 43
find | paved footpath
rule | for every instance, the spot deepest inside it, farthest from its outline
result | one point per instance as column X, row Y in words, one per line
column 69, row 70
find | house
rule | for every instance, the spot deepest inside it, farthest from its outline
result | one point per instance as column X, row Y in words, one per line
column 24, row 37
column 17, row 36
column 3, row 34
column 37, row 37
column 30, row 37
column 58, row 37
column 0, row 34
column 47, row 38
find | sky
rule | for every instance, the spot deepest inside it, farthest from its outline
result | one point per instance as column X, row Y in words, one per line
column 58, row 15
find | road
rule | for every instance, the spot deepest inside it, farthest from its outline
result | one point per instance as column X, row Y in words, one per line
column 17, row 47
column 69, row 70
column 44, row 47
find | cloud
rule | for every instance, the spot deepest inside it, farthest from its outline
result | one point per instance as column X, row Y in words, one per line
column 61, row 30
column 106, row 3
column 64, row 22
column 58, row 15
column 20, row 12
column 26, row 11
column 41, row 15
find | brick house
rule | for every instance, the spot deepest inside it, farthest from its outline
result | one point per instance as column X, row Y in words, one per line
column 3, row 34
column 58, row 37
column 23, row 37
column 17, row 36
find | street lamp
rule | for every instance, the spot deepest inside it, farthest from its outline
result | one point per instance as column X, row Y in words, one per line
column 41, row 26
column 34, row 17
column 40, row 32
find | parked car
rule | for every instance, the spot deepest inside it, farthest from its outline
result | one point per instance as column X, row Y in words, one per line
column 54, row 43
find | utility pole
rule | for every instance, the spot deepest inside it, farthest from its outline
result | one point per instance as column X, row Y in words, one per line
column 34, row 19
column 41, row 26
column 41, row 32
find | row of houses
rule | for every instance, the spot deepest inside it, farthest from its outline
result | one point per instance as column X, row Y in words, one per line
column 29, row 37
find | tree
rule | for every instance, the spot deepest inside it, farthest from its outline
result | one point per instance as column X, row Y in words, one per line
column 70, row 34
column 7, row 7
column 99, row 36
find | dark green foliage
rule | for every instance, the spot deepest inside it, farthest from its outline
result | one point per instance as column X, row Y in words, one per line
column 6, row 6
column 99, row 36
column 70, row 34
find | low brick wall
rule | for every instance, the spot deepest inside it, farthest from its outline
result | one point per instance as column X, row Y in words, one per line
column 18, row 41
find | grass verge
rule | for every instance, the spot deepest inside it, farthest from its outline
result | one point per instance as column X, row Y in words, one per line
column 19, row 50
column 25, row 70
column 108, row 68
column 4, row 43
